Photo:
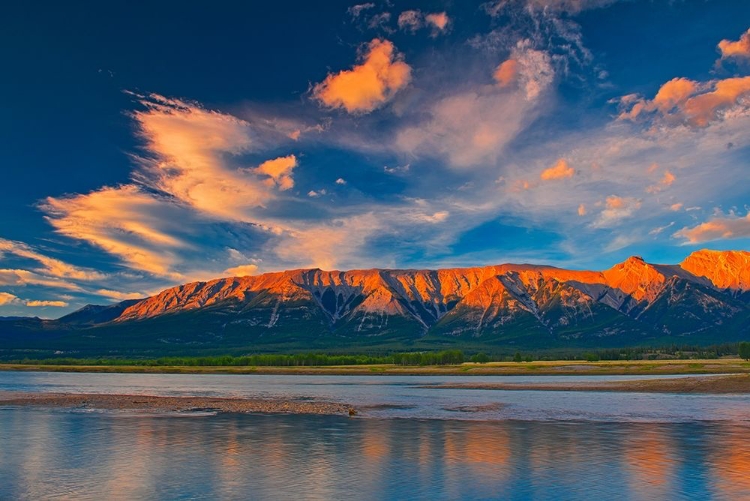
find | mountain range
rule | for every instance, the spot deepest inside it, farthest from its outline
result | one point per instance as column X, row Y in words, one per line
column 703, row 300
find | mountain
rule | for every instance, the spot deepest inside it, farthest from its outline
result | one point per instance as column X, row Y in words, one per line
column 703, row 300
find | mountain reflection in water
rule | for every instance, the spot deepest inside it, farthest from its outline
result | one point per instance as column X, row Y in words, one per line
column 93, row 455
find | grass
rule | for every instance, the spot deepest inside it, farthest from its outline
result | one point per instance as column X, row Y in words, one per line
column 718, row 366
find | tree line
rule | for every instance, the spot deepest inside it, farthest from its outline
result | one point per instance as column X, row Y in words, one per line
column 445, row 357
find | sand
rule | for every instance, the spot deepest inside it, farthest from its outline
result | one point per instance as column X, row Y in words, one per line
column 150, row 403
column 739, row 383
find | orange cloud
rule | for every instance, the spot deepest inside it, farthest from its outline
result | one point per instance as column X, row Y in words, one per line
column 506, row 73
column 188, row 148
column 8, row 298
column 668, row 179
column 50, row 266
column 581, row 210
column 369, row 85
column 41, row 304
column 673, row 93
column 120, row 296
column 244, row 270
column 25, row 277
column 703, row 108
column 438, row 20
column 615, row 203
column 740, row 48
column 279, row 171
column 123, row 221
column 691, row 102
column 718, row 228
column 675, row 207
column 561, row 170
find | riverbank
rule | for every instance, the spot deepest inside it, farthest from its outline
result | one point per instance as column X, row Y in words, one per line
column 150, row 403
column 558, row 368
column 738, row 383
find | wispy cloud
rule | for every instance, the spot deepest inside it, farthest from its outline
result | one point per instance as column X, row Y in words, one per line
column 7, row 298
column 125, row 221
column 49, row 266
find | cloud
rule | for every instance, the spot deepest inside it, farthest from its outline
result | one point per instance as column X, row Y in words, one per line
column 535, row 72
column 21, row 278
column 410, row 20
column 7, row 298
column 739, row 48
column 615, row 209
column 581, row 210
column 437, row 217
column 244, row 270
column 675, row 207
column 506, row 73
column 368, row 85
column 380, row 21
column 473, row 127
column 356, row 10
column 561, row 170
column 439, row 22
column 659, row 230
column 341, row 181
column 124, row 221
column 665, row 182
column 42, row 304
column 279, row 171
column 329, row 244
column 497, row 7
column 189, row 149
column 725, row 94
column 717, row 228
column 693, row 103
column 120, row 296
column 50, row 266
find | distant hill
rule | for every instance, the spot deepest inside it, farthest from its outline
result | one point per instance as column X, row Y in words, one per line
column 703, row 300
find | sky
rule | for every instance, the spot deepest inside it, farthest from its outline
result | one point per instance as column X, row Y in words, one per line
column 145, row 146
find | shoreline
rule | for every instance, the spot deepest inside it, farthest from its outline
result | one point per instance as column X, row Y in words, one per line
column 168, row 404
column 733, row 384
column 541, row 368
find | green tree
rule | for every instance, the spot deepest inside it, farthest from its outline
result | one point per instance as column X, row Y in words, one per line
column 745, row 350
column 480, row 358
column 517, row 357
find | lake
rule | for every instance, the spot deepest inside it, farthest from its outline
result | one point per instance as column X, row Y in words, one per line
column 409, row 442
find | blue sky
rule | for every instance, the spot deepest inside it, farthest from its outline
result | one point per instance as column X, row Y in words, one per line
column 147, row 147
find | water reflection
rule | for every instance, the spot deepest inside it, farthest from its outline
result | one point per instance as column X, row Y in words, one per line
column 104, row 456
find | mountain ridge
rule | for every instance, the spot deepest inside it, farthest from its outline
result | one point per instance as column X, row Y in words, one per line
column 702, row 299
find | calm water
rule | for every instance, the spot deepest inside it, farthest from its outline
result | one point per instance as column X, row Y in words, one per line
column 526, row 445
